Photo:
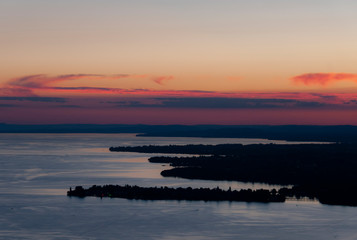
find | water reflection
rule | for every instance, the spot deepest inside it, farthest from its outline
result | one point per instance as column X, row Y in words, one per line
column 80, row 159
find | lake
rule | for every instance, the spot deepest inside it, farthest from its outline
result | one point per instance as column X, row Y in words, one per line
column 36, row 170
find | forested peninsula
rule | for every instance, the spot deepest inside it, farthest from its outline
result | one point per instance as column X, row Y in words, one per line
column 326, row 172
column 165, row 193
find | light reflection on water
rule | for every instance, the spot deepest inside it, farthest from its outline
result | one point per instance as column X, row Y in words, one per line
column 36, row 170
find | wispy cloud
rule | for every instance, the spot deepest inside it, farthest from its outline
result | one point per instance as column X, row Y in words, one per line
column 323, row 79
column 16, row 91
column 22, row 90
column 42, row 80
column 27, row 85
column 161, row 80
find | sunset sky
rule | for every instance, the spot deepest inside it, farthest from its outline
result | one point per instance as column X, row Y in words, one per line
column 178, row 61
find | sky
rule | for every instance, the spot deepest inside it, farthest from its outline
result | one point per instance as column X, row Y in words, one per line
column 178, row 62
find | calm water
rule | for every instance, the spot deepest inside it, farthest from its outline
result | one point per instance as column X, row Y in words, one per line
column 36, row 170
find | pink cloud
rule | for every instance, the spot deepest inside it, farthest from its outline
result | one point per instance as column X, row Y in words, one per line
column 162, row 79
column 45, row 82
column 44, row 85
column 42, row 80
column 25, row 86
column 323, row 79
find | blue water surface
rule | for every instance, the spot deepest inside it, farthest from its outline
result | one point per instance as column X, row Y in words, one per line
column 36, row 170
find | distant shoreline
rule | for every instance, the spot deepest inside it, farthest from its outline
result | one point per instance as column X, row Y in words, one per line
column 317, row 133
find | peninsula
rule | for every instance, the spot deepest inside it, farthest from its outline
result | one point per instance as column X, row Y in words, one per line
column 165, row 193
column 326, row 172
